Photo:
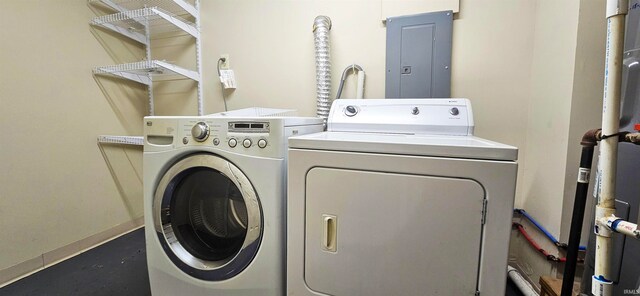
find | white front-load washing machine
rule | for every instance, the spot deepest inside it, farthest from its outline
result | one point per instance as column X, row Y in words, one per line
column 399, row 198
column 214, row 201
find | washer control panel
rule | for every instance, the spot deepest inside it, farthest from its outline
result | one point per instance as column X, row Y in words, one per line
column 241, row 136
column 255, row 136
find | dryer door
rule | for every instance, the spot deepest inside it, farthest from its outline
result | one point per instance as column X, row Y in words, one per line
column 207, row 217
column 379, row 233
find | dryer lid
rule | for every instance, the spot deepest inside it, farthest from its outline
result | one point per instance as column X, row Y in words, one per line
column 439, row 146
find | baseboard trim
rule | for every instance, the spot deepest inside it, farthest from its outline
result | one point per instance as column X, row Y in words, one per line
column 33, row 265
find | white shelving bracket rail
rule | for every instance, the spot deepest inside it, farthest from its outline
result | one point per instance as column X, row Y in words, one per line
column 144, row 71
column 127, row 140
column 132, row 23
column 140, row 20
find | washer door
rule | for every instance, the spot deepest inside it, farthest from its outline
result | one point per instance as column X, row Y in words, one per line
column 207, row 217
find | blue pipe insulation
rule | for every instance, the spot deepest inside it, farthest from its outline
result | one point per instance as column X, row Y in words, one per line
column 541, row 228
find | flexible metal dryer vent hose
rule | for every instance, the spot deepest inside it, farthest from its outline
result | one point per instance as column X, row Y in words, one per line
column 321, row 27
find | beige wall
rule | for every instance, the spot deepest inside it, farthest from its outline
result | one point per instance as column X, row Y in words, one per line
column 55, row 184
column 566, row 91
column 586, row 104
column 566, row 99
column 514, row 59
column 492, row 50
column 271, row 51
column 549, row 110
column 548, row 118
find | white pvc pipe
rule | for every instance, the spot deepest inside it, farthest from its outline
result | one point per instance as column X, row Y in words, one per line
column 520, row 282
column 616, row 11
column 360, row 89
column 623, row 227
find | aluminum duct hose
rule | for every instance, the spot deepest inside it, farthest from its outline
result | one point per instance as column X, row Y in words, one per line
column 321, row 27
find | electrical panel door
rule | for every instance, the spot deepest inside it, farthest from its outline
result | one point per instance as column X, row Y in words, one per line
column 419, row 56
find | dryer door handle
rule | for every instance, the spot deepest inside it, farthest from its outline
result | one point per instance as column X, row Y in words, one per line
column 329, row 233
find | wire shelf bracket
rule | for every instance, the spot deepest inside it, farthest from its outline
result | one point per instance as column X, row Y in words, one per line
column 126, row 140
column 146, row 71
column 126, row 32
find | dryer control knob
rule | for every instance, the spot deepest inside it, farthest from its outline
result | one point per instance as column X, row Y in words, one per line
column 233, row 142
column 200, row 131
column 246, row 143
column 454, row 111
column 262, row 143
column 351, row 110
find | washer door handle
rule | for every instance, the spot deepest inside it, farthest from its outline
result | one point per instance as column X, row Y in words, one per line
column 329, row 233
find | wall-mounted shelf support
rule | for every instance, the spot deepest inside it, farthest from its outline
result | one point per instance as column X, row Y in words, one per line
column 126, row 140
column 124, row 31
column 140, row 20
column 146, row 71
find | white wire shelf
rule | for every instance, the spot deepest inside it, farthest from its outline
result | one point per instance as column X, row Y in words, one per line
column 178, row 7
column 146, row 72
column 123, row 140
column 131, row 23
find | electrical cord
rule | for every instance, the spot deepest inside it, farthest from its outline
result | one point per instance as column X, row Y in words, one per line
column 224, row 99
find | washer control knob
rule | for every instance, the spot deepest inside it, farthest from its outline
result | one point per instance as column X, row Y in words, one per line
column 216, row 141
column 246, row 143
column 262, row 143
column 200, row 131
column 351, row 110
column 233, row 142
column 454, row 111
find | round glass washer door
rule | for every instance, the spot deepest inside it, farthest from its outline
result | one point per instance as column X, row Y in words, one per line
column 207, row 217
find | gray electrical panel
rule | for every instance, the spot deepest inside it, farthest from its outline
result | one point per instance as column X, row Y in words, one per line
column 419, row 55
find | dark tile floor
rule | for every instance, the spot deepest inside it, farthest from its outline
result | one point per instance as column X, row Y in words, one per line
column 118, row 267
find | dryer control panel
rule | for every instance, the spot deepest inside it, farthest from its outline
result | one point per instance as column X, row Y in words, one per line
column 402, row 116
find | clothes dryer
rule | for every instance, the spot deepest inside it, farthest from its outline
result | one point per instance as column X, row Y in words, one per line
column 399, row 198
column 214, row 201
